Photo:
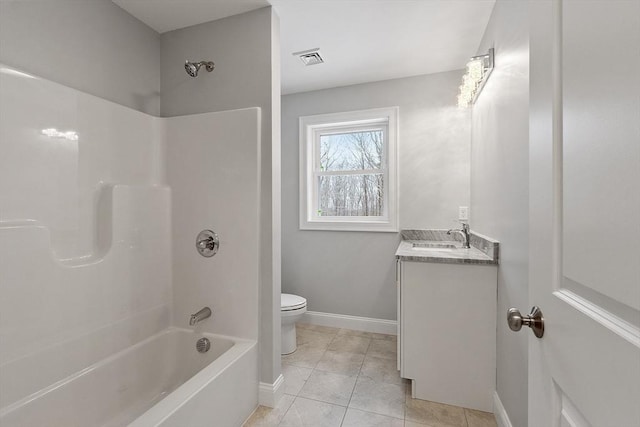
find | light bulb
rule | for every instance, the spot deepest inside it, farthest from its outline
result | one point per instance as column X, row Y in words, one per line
column 475, row 69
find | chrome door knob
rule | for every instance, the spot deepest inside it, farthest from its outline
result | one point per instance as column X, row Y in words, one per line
column 534, row 320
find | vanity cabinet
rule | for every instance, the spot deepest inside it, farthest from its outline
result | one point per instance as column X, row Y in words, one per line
column 447, row 331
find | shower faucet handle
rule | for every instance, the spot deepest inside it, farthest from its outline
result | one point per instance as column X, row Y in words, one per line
column 207, row 243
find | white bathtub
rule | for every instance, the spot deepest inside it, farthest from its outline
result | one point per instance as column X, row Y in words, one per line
column 161, row 381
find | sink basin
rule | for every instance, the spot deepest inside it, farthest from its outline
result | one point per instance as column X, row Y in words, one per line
column 432, row 246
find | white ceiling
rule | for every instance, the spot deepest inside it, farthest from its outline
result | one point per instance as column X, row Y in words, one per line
column 360, row 40
column 168, row 15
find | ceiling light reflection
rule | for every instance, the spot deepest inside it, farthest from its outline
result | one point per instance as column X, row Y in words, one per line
column 54, row 133
column 16, row 73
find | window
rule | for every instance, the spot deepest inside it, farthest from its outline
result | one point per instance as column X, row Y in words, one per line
column 348, row 171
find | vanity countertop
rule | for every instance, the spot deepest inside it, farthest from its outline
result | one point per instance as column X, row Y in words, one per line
column 483, row 249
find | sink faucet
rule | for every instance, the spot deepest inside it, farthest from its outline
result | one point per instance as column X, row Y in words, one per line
column 199, row 316
column 464, row 231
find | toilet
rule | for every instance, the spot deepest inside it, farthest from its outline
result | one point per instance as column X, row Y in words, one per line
column 292, row 307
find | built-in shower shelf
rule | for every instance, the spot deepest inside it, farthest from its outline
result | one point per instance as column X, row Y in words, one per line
column 123, row 214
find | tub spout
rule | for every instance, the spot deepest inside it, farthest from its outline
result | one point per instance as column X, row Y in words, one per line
column 199, row 316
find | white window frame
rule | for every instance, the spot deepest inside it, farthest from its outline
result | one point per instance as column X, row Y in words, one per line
column 311, row 127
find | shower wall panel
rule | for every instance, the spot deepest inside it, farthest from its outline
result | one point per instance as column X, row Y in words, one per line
column 85, row 255
column 213, row 166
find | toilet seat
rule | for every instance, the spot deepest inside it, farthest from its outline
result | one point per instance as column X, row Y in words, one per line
column 290, row 302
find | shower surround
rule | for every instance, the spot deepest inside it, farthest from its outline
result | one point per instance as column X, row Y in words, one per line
column 91, row 261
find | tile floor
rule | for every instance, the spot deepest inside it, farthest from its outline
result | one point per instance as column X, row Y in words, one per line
column 345, row 378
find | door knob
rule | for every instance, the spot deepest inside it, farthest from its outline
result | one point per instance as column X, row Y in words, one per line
column 534, row 320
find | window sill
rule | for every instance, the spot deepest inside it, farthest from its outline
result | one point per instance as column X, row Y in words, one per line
column 376, row 227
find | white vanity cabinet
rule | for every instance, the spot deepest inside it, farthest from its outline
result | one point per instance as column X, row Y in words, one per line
column 447, row 331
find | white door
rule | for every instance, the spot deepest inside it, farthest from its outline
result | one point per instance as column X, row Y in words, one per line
column 585, row 213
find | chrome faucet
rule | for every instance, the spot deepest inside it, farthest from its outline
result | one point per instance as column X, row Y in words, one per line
column 199, row 316
column 464, row 231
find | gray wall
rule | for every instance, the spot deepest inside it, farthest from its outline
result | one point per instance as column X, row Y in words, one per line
column 93, row 46
column 245, row 51
column 353, row 272
column 499, row 187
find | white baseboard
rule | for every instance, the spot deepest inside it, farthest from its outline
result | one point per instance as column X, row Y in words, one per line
column 365, row 324
column 270, row 394
column 502, row 418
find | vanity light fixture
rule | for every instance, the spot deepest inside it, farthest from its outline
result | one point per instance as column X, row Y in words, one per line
column 479, row 69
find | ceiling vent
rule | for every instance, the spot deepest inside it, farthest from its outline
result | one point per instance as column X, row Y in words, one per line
column 310, row 57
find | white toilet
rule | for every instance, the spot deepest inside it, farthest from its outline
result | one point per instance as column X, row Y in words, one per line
column 292, row 307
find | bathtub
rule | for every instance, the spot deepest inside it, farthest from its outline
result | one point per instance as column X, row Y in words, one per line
column 161, row 381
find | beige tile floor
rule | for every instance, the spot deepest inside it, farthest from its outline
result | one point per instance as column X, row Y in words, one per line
column 345, row 378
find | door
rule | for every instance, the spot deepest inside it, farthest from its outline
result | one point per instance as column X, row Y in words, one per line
column 585, row 213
